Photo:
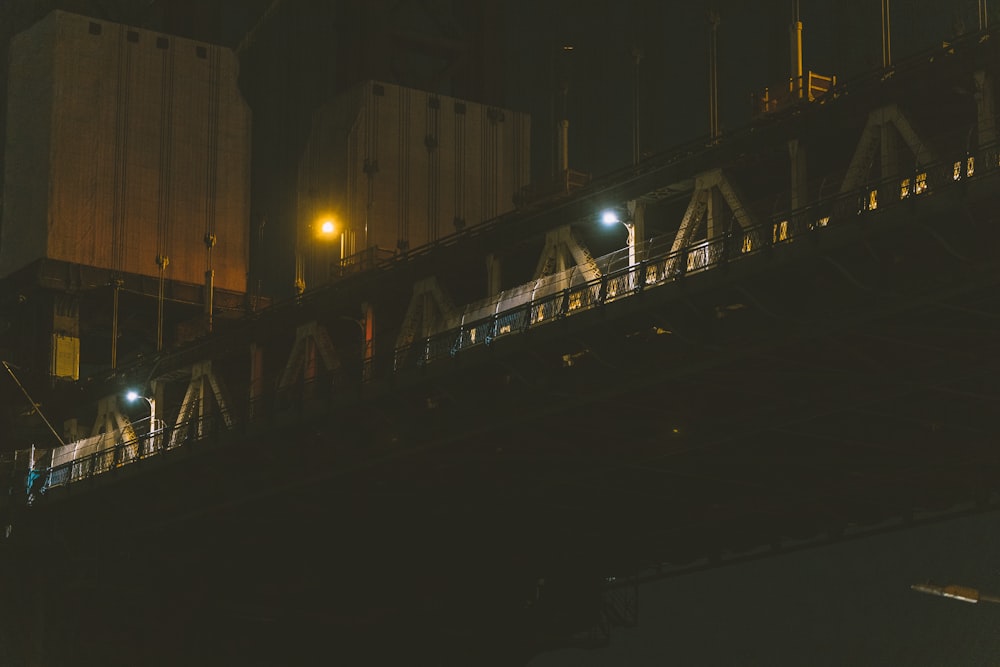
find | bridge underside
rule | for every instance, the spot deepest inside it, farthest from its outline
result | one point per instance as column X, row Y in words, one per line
column 827, row 388
column 472, row 505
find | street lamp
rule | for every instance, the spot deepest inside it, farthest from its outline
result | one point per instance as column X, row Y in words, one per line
column 313, row 249
column 611, row 217
column 132, row 396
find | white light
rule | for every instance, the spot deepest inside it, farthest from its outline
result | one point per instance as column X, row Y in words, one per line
column 131, row 396
column 609, row 217
column 327, row 227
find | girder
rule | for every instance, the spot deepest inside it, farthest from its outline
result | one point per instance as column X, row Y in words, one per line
column 820, row 373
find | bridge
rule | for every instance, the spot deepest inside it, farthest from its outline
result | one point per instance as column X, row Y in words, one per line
column 797, row 345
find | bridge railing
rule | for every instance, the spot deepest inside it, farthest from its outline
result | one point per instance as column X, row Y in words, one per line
column 124, row 451
column 542, row 304
column 658, row 266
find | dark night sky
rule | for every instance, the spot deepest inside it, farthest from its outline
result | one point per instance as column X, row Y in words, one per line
column 841, row 38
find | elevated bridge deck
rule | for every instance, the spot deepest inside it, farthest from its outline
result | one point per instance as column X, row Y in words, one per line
column 805, row 365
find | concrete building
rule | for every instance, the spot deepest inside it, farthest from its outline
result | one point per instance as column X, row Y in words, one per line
column 128, row 154
column 396, row 168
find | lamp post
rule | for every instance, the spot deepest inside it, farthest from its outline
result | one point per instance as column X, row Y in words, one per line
column 323, row 232
column 132, row 396
column 611, row 217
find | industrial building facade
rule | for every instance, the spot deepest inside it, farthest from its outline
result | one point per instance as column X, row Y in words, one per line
column 127, row 151
column 399, row 168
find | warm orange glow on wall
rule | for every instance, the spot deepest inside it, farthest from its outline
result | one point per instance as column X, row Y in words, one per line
column 325, row 228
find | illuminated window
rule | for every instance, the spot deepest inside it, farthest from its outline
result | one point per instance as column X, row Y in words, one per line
column 970, row 166
column 781, row 231
column 575, row 300
column 921, row 185
column 956, row 171
column 747, row 244
column 505, row 329
column 873, row 200
column 472, row 336
column 904, row 188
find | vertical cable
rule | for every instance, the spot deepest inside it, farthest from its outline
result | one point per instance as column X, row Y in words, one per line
column 120, row 180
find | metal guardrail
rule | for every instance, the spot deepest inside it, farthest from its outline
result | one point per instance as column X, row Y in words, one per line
column 157, row 441
column 657, row 267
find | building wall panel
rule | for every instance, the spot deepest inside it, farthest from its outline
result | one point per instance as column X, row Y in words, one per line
column 150, row 151
column 402, row 168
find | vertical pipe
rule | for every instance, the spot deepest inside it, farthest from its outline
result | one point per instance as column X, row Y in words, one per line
column 210, row 241
column 713, row 80
column 562, row 146
column 886, row 36
column 560, row 108
column 162, row 262
column 795, row 44
column 116, row 285
column 636, row 57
